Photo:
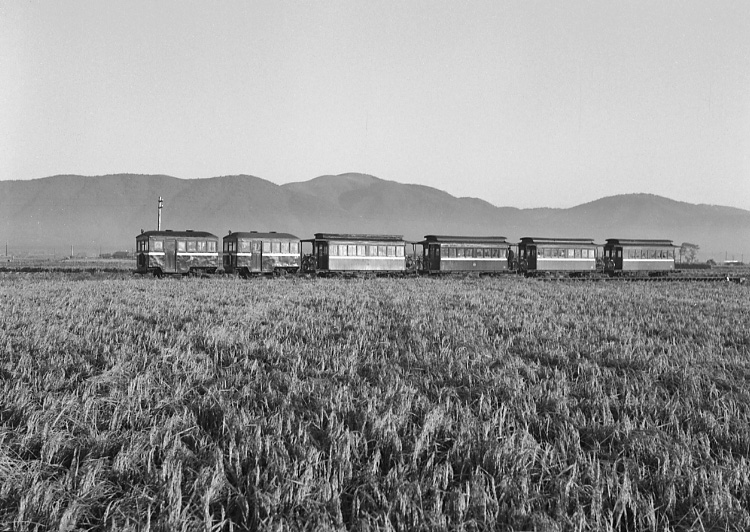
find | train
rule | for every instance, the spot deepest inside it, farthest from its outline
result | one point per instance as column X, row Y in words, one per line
column 167, row 252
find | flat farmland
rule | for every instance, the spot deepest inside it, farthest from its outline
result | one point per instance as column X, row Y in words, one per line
column 373, row 404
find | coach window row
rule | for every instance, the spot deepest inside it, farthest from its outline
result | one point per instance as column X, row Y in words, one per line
column 650, row 254
column 362, row 250
column 479, row 253
column 280, row 247
column 196, row 246
column 575, row 253
column 156, row 245
column 246, row 246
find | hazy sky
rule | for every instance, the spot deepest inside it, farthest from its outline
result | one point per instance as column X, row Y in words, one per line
column 524, row 103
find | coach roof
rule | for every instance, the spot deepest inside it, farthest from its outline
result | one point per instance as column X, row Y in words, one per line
column 639, row 243
column 178, row 234
column 356, row 237
column 266, row 236
column 447, row 239
column 557, row 241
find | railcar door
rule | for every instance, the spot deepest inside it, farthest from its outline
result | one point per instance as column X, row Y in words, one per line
column 435, row 257
column 170, row 256
column 256, row 260
column 532, row 258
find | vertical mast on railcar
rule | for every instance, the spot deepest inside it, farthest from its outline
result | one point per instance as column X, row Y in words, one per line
column 158, row 219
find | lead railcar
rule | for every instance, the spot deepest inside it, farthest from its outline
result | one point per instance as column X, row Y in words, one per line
column 333, row 253
column 445, row 254
column 630, row 257
column 253, row 252
column 176, row 252
column 571, row 256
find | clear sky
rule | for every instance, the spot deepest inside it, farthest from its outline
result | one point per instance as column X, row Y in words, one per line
column 523, row 103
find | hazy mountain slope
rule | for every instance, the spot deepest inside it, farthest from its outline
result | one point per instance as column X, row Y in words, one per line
column 107, row 212
column 377, row 205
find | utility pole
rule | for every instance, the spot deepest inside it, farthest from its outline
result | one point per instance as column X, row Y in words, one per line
column 158, row 219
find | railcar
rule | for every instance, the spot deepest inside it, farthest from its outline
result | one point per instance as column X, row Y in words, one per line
column 176, row 252
column 333, row 253
column 446, row 254
column 574, row 256
column 253, row 252
column 628, row 257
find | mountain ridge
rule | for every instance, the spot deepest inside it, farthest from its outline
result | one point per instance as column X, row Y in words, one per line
column 106, row 212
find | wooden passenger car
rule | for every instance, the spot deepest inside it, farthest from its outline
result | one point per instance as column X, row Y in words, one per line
column 253, row 252
column 571, row 255
column 443, row 254
column 358, row 253
column 638, row 257
column 176, row 252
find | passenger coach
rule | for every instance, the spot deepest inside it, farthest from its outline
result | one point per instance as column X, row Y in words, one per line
column 253, row 252
column 633, row 257
column 176, row 252
column 444, row 254
column 572, row 255
column 356, row 253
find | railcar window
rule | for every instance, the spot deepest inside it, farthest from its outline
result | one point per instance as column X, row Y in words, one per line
column 293, row 247
column 284, row 247
column 245, row 246
column 158, row 245
column 399, row 251
column 459, row 252
column 390, row 251
column 191, row 245
column 451, row 253
column 381, row 251
column 333, row 250
column 200, row 245
column 352, row 250
column 180, row 245
column 266, row 247
column 275, row 247
column 372, row 251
